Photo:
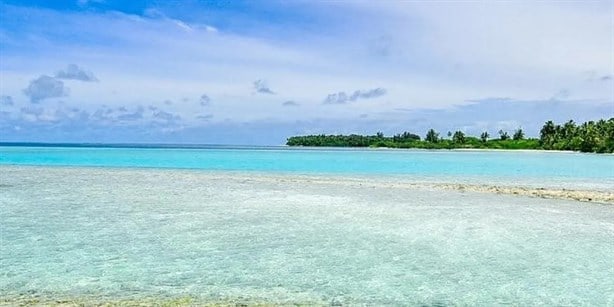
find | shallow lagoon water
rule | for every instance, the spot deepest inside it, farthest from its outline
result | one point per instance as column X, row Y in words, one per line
column 103, row 234
column 512, row 165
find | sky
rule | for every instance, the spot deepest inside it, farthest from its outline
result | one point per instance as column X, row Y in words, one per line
column 257, row 72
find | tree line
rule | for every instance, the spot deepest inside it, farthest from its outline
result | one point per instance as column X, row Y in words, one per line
column 591, row 136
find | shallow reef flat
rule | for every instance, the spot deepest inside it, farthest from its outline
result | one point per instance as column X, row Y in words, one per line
column 144, row 302
column 77, row 236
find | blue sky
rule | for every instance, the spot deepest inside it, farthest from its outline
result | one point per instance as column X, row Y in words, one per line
column 256, row 72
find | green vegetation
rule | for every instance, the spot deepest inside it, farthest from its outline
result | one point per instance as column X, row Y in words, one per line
column 588, row 137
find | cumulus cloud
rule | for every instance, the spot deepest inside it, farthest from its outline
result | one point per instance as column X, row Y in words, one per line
column 166, row 116
column 74, row 72
column 134, row 117
column 106, row 115
column 45, row 87
column 36, row 114
column 131, row 116
column 342, row 97
column 290, row 103
column 103, row 114
column 6, row 101
column 204, row 100
column 74, row 114
column 261, row 86
column 336, row 98
column 374, row 93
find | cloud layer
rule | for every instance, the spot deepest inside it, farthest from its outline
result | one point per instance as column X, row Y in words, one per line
column 290, row 103
column 162, row 72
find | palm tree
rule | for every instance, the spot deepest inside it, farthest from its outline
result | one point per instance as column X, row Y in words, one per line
column 503, row 135
column 458, row 137
column 484, row 136
column 547, row 134
column 518, row 135
column 432, row 136
column 569, row 129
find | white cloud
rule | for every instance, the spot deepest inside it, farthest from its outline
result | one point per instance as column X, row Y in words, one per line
column 426, row 55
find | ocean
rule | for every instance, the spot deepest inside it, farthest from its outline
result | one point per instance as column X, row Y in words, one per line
column 277, row 225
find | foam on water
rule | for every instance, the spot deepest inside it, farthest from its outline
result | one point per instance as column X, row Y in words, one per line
column 113, row 234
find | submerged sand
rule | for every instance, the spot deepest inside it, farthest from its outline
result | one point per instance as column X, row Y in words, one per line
column 81, row 236
column 548, row 190
column 579, row 195
column 179, row 302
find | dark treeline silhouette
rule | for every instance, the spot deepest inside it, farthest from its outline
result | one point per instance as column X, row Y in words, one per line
column 588, row 137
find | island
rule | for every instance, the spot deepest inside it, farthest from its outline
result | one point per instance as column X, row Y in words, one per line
column 590, row 136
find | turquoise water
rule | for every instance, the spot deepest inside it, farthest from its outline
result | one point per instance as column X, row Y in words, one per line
column 246, row 225
column 98, row 234
column 329, row 161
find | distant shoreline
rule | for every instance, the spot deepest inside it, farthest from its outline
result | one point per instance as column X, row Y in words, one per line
column 264, row 147
column 453, row 149
column 591, row 136
column 134, row 145
column 495, row 150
